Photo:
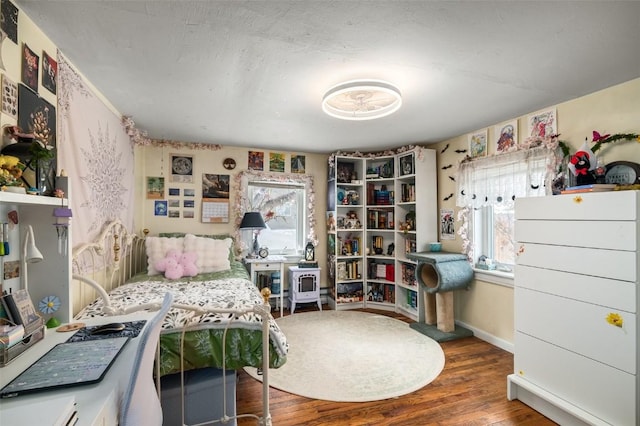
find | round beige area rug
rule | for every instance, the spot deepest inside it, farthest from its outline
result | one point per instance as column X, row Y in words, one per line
column 351, row 356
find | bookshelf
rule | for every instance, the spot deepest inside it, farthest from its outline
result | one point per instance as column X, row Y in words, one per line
column 370, row 197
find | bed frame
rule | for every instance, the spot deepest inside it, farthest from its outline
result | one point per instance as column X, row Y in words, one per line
column 118, row 254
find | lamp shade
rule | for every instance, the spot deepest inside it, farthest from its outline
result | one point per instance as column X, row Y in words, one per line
column 252, row 220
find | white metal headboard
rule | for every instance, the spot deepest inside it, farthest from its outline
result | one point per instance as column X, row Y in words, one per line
column 116, row 255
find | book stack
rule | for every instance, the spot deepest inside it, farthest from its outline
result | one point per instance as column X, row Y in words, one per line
column 10, row 335
column 594, row 187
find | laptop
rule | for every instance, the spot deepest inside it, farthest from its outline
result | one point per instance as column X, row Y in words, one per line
column 67, row 364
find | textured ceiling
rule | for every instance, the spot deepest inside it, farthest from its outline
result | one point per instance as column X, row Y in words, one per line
column 253, row 73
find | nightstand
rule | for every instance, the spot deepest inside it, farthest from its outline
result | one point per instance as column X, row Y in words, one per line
column 268, row 272
column 304, row 286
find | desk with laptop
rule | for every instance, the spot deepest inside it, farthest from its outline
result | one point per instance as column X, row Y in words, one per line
column 96, row 403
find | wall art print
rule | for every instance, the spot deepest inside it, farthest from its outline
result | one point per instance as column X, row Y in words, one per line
column 181, row 168
column 542, row 124
column 215, row 186
column 506, row 136
column 478, row 143
column 298, row 163
column 447, row 225
column 49, row 72
column 30, row 63
column 276, row 162
column 9, row 21
column 160, row 208
column 256, row 160
column 9, row 97
column 97, row 155
column 155, row 188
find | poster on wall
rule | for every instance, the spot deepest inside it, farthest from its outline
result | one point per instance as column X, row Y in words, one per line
column 478, row 143
column 276, row 162
column 155, row 188
column 30, row 63
column 160, row 208
column 49, row 72
column 215, row 198
column 181, row 168
column 9, row 97
column 447, row 225
column 9, row 21
column 506, row 136
column 256, row 160
column 298, row 163
column 542, row 124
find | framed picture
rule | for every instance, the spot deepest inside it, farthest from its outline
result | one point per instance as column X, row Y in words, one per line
column 506, row 136
column 174, row 192
column 407, row 165
column 478, row 143
column 345, row 172
column 215, row 186
column 9, row 21
column 542, row 124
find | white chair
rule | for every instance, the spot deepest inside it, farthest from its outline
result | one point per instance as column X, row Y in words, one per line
column 140, row 404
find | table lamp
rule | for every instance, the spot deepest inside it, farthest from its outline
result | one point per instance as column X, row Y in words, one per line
column 253, row 221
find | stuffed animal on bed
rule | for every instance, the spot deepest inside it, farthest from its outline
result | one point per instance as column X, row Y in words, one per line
column 177, row 265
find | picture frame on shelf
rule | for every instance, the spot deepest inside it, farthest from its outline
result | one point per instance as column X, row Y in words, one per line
column 344, row 172
column 407, row 165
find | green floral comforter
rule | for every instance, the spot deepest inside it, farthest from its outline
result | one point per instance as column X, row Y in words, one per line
column 212, row 339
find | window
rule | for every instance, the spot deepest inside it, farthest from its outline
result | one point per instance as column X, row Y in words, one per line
column 487, row 189
column 286, row 202
column 283, row 209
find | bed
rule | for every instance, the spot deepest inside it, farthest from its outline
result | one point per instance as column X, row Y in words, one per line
column 218, row 319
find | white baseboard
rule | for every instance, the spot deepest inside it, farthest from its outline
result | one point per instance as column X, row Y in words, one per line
column 489, row 338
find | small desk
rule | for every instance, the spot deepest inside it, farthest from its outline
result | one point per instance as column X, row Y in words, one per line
column 97, row 404
column 258, row 266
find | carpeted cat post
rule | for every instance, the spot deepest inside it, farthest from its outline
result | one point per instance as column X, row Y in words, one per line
column 439, row 274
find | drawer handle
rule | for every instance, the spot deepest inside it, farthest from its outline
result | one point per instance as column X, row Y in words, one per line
column 577, row 199
column 615, row 319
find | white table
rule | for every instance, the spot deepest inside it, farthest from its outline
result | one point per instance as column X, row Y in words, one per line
column 260, row 265
column 97, row 404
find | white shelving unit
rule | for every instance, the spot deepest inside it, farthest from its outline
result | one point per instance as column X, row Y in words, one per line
column 373, row 276
column 51, row 276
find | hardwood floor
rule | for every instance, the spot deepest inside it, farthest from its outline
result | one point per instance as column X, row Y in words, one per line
column 471, row 390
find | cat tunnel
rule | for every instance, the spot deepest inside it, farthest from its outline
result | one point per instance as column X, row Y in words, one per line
column 439, row 274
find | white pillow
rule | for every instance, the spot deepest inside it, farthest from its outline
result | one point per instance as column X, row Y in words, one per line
column 213, row 254
column 157, row 248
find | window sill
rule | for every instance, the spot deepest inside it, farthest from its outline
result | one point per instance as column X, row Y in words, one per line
column 494, row 277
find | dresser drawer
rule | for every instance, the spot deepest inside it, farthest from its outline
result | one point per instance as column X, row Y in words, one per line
column 613, row 294
column 614, row 205
column 577, row 326
column 601, row 390
column 610, row 235
column 268, row 266
column 618, row 265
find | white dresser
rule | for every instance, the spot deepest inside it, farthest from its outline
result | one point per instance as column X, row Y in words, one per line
column 576, row 295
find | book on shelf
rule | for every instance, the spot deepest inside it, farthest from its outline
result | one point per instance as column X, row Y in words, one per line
column 594, row 187
column 20, row 310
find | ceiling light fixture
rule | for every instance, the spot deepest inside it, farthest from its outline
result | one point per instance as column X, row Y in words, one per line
column 362, row 100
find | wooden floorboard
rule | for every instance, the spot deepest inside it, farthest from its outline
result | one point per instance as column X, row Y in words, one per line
column 471, row 390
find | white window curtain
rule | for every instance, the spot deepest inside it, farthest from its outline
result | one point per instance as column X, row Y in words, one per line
column 500, row 179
